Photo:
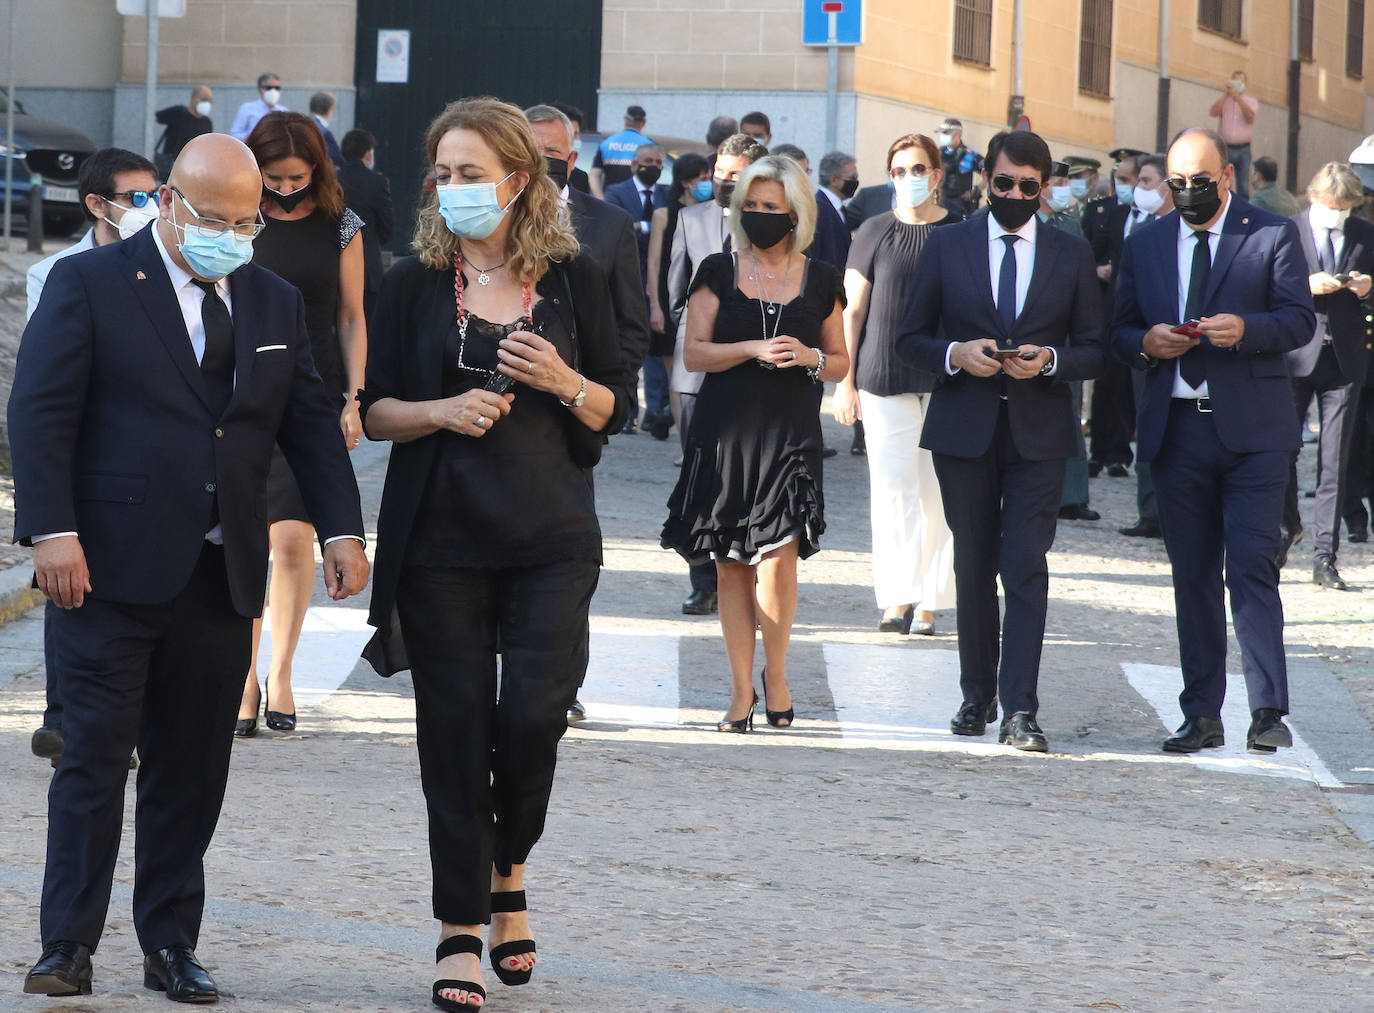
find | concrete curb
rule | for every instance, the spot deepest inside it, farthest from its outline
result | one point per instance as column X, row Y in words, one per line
column 17, row 593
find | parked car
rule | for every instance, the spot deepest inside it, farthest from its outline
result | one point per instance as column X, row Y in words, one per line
column 55, row 153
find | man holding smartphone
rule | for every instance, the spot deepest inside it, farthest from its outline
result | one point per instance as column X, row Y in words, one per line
column 1216, row 423
column 1007, row 307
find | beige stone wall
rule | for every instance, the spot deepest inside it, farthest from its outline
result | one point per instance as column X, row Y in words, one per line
column 62, row 43
column 308, row 42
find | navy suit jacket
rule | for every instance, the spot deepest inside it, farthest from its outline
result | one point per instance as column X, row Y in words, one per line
column 625, row 195
column 1259, row 273
column 832, row 235
column 113, row 436
column 1347, row 317
column 608, row 235
column 952, row 301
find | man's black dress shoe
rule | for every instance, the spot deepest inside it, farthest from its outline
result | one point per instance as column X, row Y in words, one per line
column 576, row 712
column 1078, row 512
column 828, row 451
column 63, row 969
column 1358, row 535
column 1267, row 731
column 657, row 426
column 1196, row 733
column 1146, row 527
column 973, row 718
column 1094, row 468
column 47, row 743
column 1290, row 539
column 1020, row 731
column 1326, row 574
column 1117, row 471
column 699, row 603
column 176, row 971
column 631, row 427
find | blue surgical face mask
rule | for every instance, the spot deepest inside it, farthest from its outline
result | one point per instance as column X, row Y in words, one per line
column 212, row 257
column 1079, row 188
column 912, row 190
column 1124, row 193
column 702, row 190
column 472, row 210
column 1060, row 196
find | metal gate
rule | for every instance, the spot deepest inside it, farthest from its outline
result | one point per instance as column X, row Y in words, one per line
column 523, row 51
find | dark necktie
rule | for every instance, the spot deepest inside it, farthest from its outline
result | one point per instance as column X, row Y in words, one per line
column 647, row 212
column 1192, row 366
column 1006, row 284
column 217, row 364
column 1327, row 254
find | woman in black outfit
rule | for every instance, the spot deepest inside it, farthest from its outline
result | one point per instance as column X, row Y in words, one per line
column 691, row 185
column 913, row 549
column 495, row 372
column 763, row 324
column 312, row 241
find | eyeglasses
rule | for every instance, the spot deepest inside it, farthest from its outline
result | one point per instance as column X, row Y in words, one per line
column 1178, row 184
column 916, row 170
column 138, row 198
column 1002, row 184
column 213, row 228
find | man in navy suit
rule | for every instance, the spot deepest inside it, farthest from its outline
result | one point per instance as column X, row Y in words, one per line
column 1208, row 301
column 839, row 181
column 1004, row 284
column 1330, row 367
column 151, row 386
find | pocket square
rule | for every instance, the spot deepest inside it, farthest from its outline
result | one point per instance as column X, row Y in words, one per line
column 270, row 348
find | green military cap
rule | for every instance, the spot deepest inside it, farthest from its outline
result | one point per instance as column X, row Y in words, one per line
column 1080, row 164
column 1120, row 155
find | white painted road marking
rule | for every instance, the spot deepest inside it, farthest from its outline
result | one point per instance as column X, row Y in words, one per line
column 631, row 677
column 332, row 638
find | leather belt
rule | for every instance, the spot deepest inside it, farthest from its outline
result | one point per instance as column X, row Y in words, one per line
column 1202, row 404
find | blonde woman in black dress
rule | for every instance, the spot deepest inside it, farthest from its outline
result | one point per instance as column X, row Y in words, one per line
column 765, row 327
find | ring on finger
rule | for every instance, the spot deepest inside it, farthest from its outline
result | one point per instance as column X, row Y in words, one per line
column 529, row 366
column 481, row 422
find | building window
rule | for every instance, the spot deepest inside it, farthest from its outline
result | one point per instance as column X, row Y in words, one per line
column 973, row 31
column 1095, row 48
column 1305, row 29
column 1220, row 16
column 1354, row 38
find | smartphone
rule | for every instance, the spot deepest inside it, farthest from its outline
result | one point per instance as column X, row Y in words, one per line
column 1344, row 279
column 1189, row 328
column 1003, row 354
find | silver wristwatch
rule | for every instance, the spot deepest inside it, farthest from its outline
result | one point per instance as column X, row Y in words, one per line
column 579, row 399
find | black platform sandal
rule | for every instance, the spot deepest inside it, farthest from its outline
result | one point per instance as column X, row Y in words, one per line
column 507, row 902
column 458, row 944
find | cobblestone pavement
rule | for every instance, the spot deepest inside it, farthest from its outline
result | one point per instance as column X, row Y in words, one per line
column 864, row 861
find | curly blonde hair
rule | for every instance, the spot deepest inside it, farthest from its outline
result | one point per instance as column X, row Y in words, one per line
column 539, row 232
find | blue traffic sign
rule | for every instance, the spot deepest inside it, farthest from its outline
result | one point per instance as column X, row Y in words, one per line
column 849, row 22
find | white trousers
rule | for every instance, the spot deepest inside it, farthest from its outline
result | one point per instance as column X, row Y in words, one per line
column 913, row 548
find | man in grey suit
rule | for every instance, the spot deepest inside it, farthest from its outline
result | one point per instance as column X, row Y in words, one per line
column 702, row 229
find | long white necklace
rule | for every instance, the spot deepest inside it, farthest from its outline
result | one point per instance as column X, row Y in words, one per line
column 763, row 296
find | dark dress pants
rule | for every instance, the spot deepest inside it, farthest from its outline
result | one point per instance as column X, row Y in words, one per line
column 168, row 679
column 1359, row 475
column 488, row 746
column 1218, row 507
column 1113, row 414
column 1337, row 404
column 1002, row 510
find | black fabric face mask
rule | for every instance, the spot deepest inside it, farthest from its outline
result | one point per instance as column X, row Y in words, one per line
column 849, row 188
column 648, row 174
column 1012, row 212
column 725, row 189
column 558, row 170
column 287, row 201
column 766, row 229
column 1198, row 205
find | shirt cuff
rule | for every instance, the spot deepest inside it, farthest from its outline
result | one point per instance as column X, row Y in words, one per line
column 359, row 538
column 56, row 534
column 949, row 350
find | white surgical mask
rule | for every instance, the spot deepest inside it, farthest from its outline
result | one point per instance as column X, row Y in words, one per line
column 272, row 96
column 1060, row 196
column 945, row 139
column 203, row 108
column 1079, row 188
column 1147, row 200
column 1240, row 87
column 133, row 220
column 1324, row 217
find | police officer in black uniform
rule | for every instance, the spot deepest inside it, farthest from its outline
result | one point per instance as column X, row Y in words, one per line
column 963, row 167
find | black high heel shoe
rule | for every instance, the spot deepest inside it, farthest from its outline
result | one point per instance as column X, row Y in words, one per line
column 276, row 720
column 744, row 724
column 506, row 902
column 898, row 624
column 246, row 728
column 458, row 944
column 776, row 718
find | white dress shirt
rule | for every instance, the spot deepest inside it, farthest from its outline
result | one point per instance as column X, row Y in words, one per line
column 37, row 275
column 643, row 191
column 835, row 199
column 1137, row 219
column 1319, row 235
column 1186, row 245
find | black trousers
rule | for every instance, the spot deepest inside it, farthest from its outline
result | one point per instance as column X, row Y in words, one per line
column 1337, row 407
column 488, row 747
column 1003, row 510
column 168, row 679
column 1113, row 414
column 1359, row 484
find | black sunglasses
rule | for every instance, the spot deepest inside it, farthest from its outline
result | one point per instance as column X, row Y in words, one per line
column 1002, row 184
column 1178, row 184
column 138, row 198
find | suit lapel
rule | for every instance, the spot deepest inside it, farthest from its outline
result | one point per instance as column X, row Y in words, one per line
column 982, row 280
column 1041, row 268
column 1309, row 244
column 153, row 288
column 1233, row 234
column 247, row 316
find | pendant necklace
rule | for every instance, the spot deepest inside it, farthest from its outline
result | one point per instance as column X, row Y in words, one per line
column 484, row 274
column 462, row 315
column 763, row 297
